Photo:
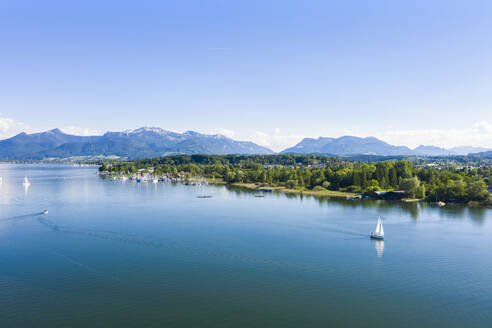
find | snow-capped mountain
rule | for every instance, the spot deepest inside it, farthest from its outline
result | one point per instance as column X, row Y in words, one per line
column 138, row 143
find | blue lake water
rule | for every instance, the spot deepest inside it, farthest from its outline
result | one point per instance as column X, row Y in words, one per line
column 127, row 254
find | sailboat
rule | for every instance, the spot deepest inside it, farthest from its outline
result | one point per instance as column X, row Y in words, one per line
column 379, row 233
column 26, row 182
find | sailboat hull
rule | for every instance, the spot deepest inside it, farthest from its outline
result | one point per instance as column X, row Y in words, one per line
column 376, row 236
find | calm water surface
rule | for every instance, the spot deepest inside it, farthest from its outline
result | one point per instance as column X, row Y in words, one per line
column 123, row 254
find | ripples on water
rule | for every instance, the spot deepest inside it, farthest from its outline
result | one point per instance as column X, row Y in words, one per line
column 116, row 253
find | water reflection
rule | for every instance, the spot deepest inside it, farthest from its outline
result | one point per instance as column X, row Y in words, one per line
column 26, row 187
column 379, row 245
column 414, row 209
column 452, row 211
column 477, row 214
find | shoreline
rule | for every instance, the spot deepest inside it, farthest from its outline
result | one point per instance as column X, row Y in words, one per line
column 334, row 194
column 341, row 194
column 326, row 193
column 315, row 193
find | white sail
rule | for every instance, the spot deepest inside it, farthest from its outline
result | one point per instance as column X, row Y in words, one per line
column 381, row 230
column 378, row 227
column 26, row 181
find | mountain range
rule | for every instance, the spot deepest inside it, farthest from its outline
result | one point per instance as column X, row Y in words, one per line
column 349, row 145
column 131, row 144
column 155, row 142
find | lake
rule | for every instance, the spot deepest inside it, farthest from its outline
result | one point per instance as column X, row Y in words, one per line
column 127, row 254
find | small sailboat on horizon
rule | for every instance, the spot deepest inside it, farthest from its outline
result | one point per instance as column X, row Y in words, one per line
column 26, row 182
column 379, row 233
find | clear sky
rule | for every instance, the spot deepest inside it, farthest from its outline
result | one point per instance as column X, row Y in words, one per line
column 409, row 72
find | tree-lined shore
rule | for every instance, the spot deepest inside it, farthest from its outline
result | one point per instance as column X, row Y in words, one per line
column 440, row 180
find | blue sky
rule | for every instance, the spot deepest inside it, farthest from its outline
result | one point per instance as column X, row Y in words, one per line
column 409, row 72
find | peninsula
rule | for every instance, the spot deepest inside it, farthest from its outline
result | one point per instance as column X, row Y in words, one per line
column 432, row 180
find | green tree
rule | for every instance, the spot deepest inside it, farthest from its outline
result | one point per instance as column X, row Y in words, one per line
column 410, row 185
column 477, row 190
column 373, row 185
column 393, row 178
column 291, row 184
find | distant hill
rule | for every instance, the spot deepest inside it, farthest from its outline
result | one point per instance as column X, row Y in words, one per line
column 309, row 146
column 349, row 145
column 24, row 145
column 484, row 154
column 432, row 151
column 468, row 150
column 132, row 144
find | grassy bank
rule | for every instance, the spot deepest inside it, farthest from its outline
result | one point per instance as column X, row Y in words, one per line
column 326, row 193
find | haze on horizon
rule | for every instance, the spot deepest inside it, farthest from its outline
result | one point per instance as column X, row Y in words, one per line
column 273, row 72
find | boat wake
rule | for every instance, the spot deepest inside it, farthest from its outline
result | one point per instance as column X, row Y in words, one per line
column 20, row 217
column 116, row 237
column 345, row 231
column 87, row 267
column 327, row 228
